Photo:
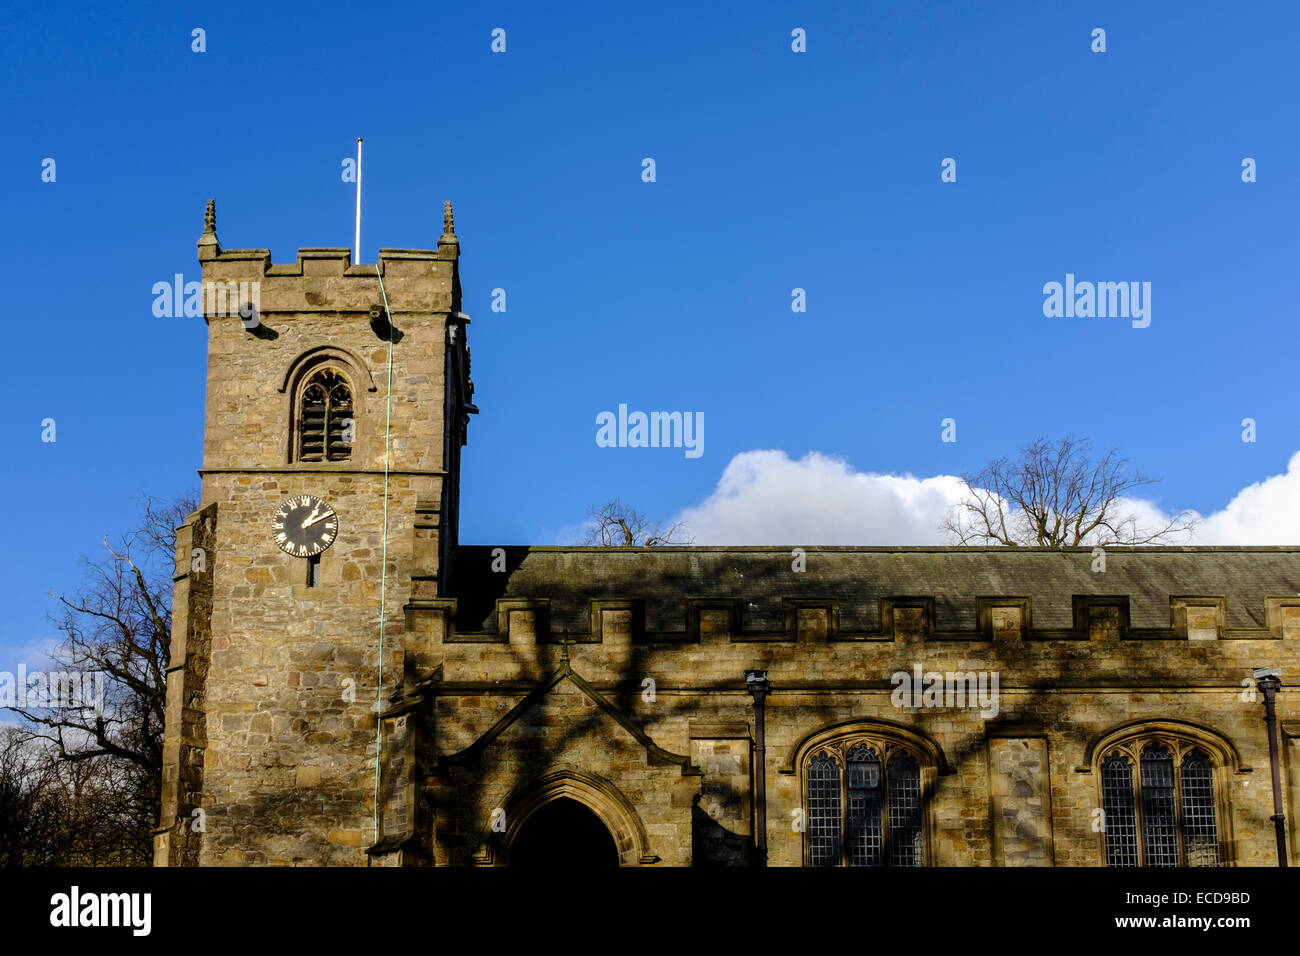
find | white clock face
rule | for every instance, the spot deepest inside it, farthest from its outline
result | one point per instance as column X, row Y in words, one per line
column 304, row 526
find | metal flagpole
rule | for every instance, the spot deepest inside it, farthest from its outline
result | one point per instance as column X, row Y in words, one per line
column 356, row 251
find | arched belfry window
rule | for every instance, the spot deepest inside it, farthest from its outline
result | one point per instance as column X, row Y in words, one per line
column 1159, row 795
column 864, row 803
column 325, row 426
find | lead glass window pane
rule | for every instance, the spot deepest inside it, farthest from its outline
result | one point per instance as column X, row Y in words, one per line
column 1200, row 828
column 864, row 807
column 906, row 847
column 824, row 811
column 1159, row 826
column 1120, row 814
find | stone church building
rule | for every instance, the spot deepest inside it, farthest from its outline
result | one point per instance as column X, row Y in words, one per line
column 671, row 706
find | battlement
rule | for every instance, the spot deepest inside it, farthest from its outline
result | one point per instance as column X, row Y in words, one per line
column 327, row 262
column 694, row 595
column 324, row 279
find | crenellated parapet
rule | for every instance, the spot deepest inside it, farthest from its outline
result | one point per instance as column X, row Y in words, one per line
column 829, row 595
column 325, row 280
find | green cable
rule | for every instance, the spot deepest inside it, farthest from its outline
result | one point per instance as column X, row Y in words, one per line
column 383, row 571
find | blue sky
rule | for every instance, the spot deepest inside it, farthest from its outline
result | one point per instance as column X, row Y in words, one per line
column 774, row 170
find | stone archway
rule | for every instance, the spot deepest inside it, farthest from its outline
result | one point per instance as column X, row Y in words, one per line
column 596, row 797
column 563, row 833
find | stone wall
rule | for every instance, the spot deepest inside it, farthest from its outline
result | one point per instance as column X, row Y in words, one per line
column 1016, row 786
column 180, row 829
column 289, row 692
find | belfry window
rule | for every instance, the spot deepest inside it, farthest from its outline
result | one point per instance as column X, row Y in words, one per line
column 864, row 805
column 1158, row 795
column 325, row 423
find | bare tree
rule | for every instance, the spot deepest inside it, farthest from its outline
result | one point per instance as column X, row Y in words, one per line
column 118, row 629
column 29, row 830
column 1056, row 495
column 56, row 812
column 616, row 525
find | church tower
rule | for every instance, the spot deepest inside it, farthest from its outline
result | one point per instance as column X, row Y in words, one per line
column 338, row 398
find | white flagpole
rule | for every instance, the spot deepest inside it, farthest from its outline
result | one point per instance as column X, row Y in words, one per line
column 356, row 255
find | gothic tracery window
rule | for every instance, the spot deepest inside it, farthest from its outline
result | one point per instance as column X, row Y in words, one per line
column 1158, row 795
column 864, row 804
column 325, row 422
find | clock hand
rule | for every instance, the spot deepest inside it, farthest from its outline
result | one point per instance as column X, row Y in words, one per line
column 311, row 519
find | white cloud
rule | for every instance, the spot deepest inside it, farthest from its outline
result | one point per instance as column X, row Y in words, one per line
column 765, row 497
column 1267, row 512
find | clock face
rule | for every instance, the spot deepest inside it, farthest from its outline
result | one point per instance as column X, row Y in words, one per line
column 304, row 526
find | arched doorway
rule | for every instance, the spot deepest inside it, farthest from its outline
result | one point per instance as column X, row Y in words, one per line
column 564, row 833
column 594, row 795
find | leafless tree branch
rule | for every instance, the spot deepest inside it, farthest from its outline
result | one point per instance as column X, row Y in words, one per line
column 117, row 626
column 616, row 525
column 1056, row 495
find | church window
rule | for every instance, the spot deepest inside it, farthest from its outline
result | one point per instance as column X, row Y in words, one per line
column 325, row 423
column 1158, row 794
column 865, row 806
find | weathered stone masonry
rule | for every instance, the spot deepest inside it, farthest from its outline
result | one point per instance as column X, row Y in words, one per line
column 616, row 677
column 282, row 699
column 1082, row 658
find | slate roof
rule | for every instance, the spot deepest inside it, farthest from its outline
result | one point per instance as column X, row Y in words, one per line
column 761, row 577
